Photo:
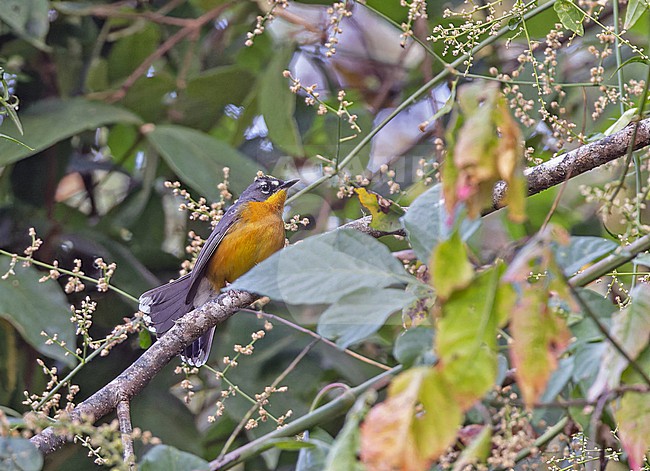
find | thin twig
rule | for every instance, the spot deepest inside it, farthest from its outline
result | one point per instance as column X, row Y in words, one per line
column 275, row 383
column 347, row 351
column 191, row 27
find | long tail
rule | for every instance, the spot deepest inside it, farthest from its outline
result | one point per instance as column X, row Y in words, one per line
column 163, row 305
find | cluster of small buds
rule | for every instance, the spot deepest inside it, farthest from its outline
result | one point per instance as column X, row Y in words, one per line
column 119, row 334
column 74, row 284
column 199, row 209
column 336, row 13
column 608, row 95
column 295, row 222
column 393, row 186
column 34, row 246
column 192, row 249
column 108, row 270
column 461, row 37
column 520, row 104
column 220, row 406
column 12, row 265
column 82, row 317
column 416, row 9
column 188, row 387
column 244, row 350
column 262, row 20
column 47, row 401
column 529, row 156
column 313, row 98
column 53, row 274
column 346, row 189
column 634, row 87
column 229, row 362
column 515, row 431
column 283, row 418
column 426, row 171
column 343, row 112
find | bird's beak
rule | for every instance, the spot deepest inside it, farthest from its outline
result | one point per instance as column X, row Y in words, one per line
column 288, row 184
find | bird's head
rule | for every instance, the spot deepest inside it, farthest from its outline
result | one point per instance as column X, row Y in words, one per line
column 269, row 189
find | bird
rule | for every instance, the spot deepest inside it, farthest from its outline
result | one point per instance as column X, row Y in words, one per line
column 250, row 231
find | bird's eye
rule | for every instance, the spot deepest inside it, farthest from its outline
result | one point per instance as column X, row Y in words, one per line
column 265, row 188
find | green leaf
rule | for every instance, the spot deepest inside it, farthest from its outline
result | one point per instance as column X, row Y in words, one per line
column 450, row 267
column 207, row 94
column 358, row 315
column 570, row 16
column 581, row 251
column 415, row 347
column 466, row 335
column 635, row 8
column 621, row 122
column 51, row 121
column 631, row 329
column 427, row 223
column 130, row 51
column 28, row 19
column 278, row 104
column 144, row 339
column 19, row 454
column 198, row 159
column 32, row 307
column 171, row 459
column 324, row 268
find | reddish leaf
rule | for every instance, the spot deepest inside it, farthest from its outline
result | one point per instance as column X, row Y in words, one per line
column 633, row 417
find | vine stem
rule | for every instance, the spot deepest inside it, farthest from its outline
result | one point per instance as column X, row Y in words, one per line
column 449, row 70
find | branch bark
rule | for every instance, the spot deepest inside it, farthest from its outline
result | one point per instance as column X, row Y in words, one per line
column 579, row 161
column 191, row 326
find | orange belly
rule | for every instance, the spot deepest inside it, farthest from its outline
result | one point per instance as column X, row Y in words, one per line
column 255, row 236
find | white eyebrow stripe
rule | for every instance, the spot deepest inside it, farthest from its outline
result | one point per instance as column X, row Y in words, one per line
column 275, row 182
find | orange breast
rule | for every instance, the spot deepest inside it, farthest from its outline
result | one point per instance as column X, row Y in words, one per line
column 257, row 234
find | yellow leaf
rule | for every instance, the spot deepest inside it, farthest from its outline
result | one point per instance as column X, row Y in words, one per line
column 413, row 426
column 385, row 213
column 450, row 268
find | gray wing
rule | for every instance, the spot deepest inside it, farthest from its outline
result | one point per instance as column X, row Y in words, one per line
column 209, row 248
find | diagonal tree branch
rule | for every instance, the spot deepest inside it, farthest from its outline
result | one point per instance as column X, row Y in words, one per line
column 580, row 160
column 135, row 378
